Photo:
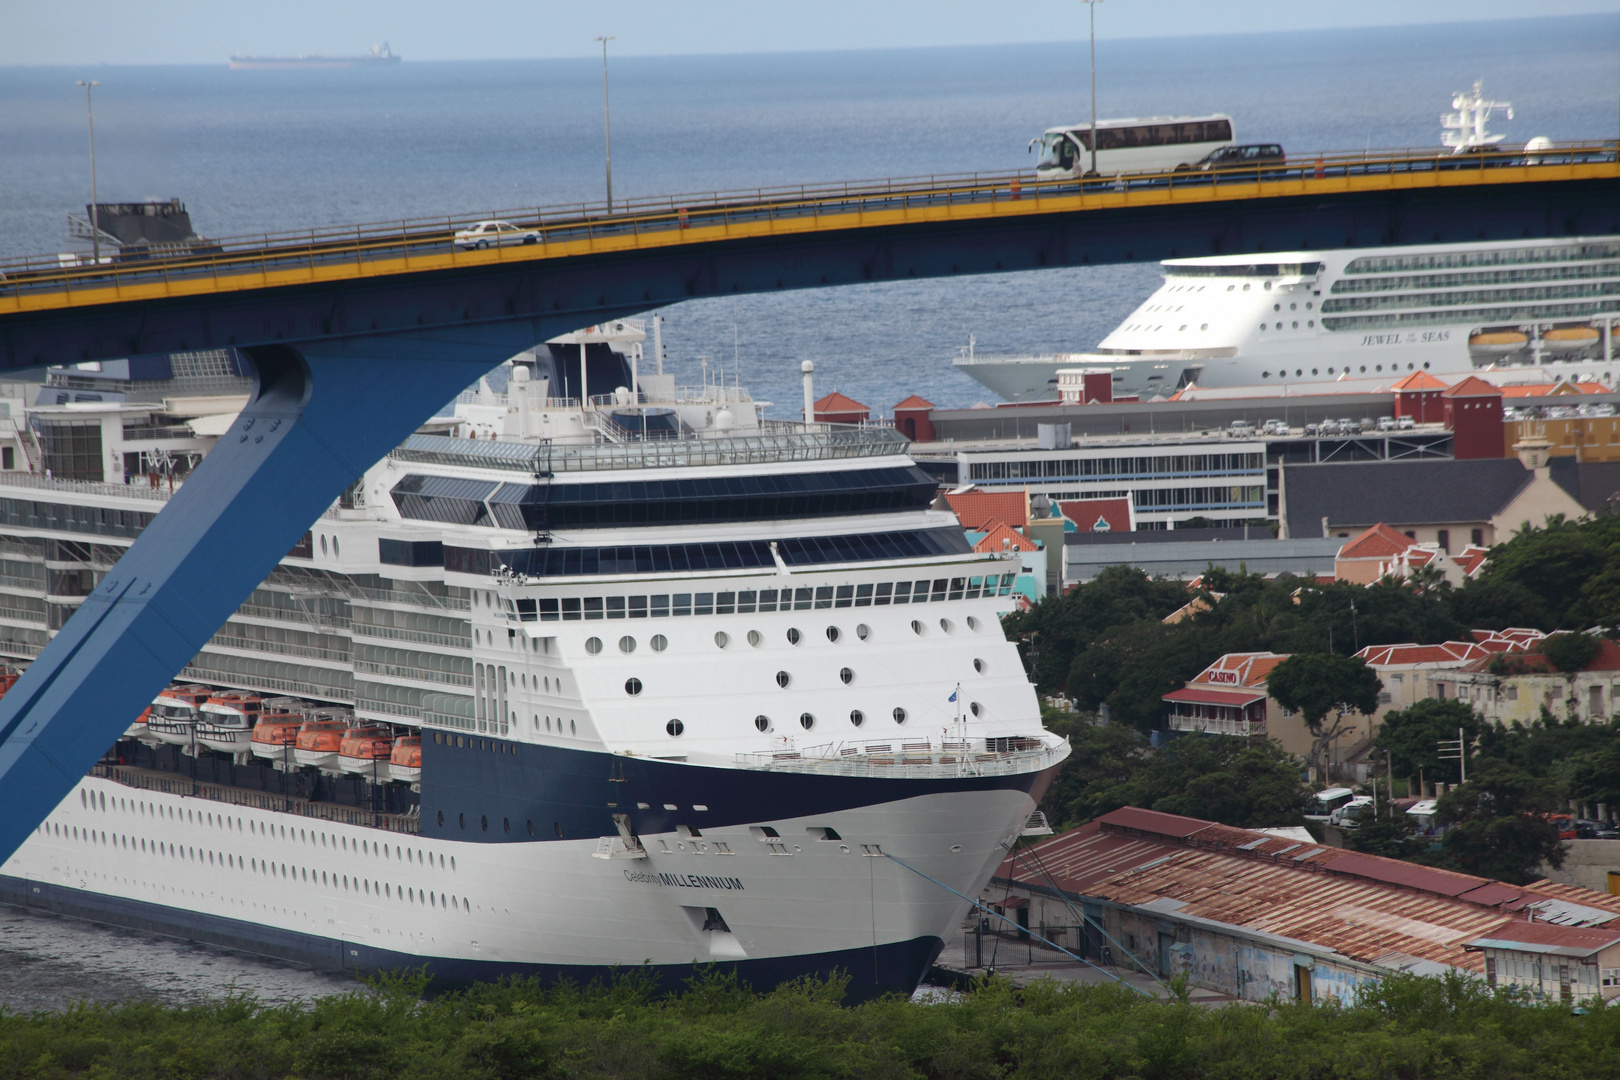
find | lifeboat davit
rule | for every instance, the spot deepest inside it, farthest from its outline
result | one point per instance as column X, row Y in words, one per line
column 405, row 760
column 172, row 717
column 1569, row 339
column 276, row 733
column 365, row 750
column 1498, row 342
column 319, row 740
column 227, row 720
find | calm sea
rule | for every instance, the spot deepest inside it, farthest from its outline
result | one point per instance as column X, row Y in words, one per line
column 274, row 150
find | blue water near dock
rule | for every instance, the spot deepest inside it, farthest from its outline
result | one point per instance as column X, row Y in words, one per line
column 277, row 150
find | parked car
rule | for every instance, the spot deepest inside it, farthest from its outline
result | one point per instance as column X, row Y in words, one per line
column 485, row 234
column 1345, row 816
column 1386, row 423
column 1240, row 429
column 1274, row 427
column 1404, row 423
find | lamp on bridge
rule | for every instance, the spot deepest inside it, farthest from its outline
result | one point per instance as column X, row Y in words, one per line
column 607, row 126
column 1092, row 7
column 95, row 225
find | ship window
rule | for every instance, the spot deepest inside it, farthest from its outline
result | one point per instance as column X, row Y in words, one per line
column 627, row 644
column 593, row 645
column 863, row 631
column 572, row 728
column 659, row 643
column 846, row 676
column 632, row 686
column 638, row 607
column 593, row 607
column 974, row 707
column 762, row 723
column 801, row 599
column 721, row 638
column 947, row 626
column 807, row 721
column 863, row 595
column 973, row 623
column 674, row 728
column 856, row 718
column 725, row 603
column 824, row 596
column 755, row 638
column 899, row 716
column 793, row 635
column 783, row 679
column 832, row 633
column 845, row 596
column 917, row 627
column 615, row 607
column 660, row 606
column 746, row 601
column 682, row 604
column 978, row 665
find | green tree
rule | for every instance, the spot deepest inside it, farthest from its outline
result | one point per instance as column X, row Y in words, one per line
column 1316, row 684
column 1564, row 574
column 1103, row 756
column 1412, row 737
column 1249, row 783
column 1569, row 653
column 1385, row 831
column 1499, row 828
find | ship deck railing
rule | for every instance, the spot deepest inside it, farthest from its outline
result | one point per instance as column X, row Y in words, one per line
column 920, row 758
column 773, row 445
column 139, row 487
column 176, row 784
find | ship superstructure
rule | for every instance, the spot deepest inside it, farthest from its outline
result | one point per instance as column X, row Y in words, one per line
column 561, row 684
column 1503, row 310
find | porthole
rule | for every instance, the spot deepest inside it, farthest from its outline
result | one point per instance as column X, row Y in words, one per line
column 783, row 679
column 917, row 627
column 506, row 825
column 978, row 665
column 674, row 727
column 755, row 638
column 856, row 718
column 632, row 686
column 832, row 633
column 975, row 708
column 593, row 645
column 573, row 728
column 807, row 721
column 721, row 638
column 441, row 819
column 793, row 635
column 627, row 644
column 461, row 819
column 973, row 623
column 483, row 823
column 863, row 631
column 762, row 723
column 899, row 716
column 531, row 828
column 335, row 551
column 846, row 676
column 947, row 626
column 323, row 545
column 659, row 643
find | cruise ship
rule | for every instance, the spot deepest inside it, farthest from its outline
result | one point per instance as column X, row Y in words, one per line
column 1508, row 311
column 569, row 682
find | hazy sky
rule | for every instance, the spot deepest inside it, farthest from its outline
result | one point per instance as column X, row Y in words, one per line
column 207, row 31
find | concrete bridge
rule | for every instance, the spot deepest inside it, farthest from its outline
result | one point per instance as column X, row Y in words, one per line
column 358, row 334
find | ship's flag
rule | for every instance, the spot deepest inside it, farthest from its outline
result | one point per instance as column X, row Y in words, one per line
column 952, row 697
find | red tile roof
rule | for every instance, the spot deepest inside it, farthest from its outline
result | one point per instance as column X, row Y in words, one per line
column 999, row 536
column 1239, row 669
column 915, row 402
column 1557, row 389
column 1098, row 515
column 975, row 507
column 1378, row 542
column 1450, row 652
column 1473, row 386
column 1206, row 695
column 1534, row 663
column 839, row 403
column 1418, row 380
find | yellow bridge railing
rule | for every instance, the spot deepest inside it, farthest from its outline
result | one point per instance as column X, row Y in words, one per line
column 336, row 253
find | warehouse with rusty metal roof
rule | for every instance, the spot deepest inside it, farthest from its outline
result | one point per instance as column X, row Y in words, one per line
column 1251, row 914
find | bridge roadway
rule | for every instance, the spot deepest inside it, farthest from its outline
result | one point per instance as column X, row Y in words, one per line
column 357, row 334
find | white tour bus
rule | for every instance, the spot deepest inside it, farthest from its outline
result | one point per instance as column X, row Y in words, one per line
column 1147, row 144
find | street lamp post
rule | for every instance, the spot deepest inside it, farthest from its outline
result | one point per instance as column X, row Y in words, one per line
column 95, row 225
column 1091, row 5
column 607, row 122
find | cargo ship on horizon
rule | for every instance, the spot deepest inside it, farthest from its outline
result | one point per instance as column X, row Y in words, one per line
column 378, row 56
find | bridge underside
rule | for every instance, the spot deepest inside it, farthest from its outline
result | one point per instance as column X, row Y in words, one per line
column 346, row 371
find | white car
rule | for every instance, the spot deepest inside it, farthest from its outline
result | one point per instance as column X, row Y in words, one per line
column 485, row 234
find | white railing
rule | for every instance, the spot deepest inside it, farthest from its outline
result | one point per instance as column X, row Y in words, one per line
column 909, row 759
column 132, row 490
column 1182, row 722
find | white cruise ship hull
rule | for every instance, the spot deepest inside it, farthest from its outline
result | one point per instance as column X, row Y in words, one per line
column 350, row 896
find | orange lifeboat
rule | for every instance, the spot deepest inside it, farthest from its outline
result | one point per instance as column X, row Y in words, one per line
column 1570, row 338
column 319, row 740
column 1498, row 342
column 405, row 760
column 8, row 679
column 365, row 750
column 276, row 732
column 227, row 720
column 172, row 717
